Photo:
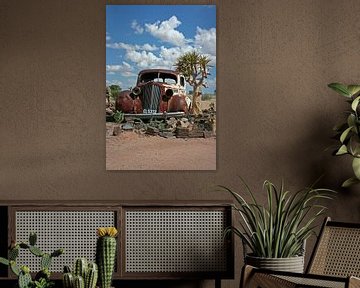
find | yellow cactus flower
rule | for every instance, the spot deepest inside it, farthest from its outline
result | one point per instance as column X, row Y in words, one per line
column 106, row 231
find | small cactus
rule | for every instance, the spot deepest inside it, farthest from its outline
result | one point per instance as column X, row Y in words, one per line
column 106, row 254
column 81, row 266
column 91, row 276
column 24, row 278
column 79, row 282
column 68, row 280
column 84, row 274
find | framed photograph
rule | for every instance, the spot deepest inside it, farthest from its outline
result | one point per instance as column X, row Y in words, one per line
column 160, row 87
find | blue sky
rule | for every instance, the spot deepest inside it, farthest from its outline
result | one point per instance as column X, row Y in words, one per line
column 154, row 36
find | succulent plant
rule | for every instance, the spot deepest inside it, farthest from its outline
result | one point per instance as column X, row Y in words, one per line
column 42, row 278
column 106, row 254
column 85, row 275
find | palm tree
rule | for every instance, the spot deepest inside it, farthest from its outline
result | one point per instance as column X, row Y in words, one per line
column 195, row 68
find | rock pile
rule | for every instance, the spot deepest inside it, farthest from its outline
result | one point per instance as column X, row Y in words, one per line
column 202, row 126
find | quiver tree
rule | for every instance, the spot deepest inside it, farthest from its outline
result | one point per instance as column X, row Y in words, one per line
column 195, row 68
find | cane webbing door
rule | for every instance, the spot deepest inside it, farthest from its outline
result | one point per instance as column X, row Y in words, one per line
column 166, row 241
column 73, row 230
column 154, row 242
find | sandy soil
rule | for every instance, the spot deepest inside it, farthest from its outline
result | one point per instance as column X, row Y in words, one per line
column 130, row 151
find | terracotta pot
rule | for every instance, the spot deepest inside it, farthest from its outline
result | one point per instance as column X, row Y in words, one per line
column 291, row 264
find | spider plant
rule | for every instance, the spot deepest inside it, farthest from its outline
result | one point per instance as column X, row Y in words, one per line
column 279, row 229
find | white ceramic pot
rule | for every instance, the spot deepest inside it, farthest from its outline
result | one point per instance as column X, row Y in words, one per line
column 291, row 264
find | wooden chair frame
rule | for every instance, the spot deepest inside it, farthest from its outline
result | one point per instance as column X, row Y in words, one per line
column 319, row 272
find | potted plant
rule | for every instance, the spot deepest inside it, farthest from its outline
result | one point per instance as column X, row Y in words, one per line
column 42, row 278
column 348, row 133
column 275, row 233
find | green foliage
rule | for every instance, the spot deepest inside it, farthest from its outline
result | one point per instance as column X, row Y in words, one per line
column 115, row 90
column 118, row 116
column 348, row 132
column 279, row 229
column 42, row 278
column 43, row 283
column 195, row 68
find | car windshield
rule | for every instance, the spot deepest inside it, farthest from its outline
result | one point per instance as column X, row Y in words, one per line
column 158, row 77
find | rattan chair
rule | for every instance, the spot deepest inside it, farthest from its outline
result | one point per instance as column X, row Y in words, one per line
column 335, row 262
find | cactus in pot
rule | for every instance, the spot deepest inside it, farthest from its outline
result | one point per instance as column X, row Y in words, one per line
column 106, row 254
column 85, row 275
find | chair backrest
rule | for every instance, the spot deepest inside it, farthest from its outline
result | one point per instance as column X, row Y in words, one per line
column 337, row 251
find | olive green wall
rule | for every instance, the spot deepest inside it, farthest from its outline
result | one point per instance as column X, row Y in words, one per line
column 275, row 113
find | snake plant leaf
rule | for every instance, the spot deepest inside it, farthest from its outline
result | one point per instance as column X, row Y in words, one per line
column 353, row 89
column 342, row 150
column 349, row 182
column 355, row 103
column 356, row 167
column 341, row 89
column 345, row 134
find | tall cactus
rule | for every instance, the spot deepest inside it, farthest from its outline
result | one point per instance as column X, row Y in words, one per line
column 106, row 254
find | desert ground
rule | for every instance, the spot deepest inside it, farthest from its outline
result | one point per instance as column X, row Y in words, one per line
column 133, row 151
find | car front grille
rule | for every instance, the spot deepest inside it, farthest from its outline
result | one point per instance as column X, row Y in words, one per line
column 150, row 98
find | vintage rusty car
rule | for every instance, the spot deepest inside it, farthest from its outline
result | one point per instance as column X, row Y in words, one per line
column 158, row 92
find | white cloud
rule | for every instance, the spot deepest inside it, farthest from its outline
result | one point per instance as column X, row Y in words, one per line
column 121, row 45
column 136, row 27
column 125, row 69
column 108, row 38
column 151, row 56
column 114, row 82
column 169, row 55
column 142, row 59
column 166, row 31
column 205, row 40
column 148, row 47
